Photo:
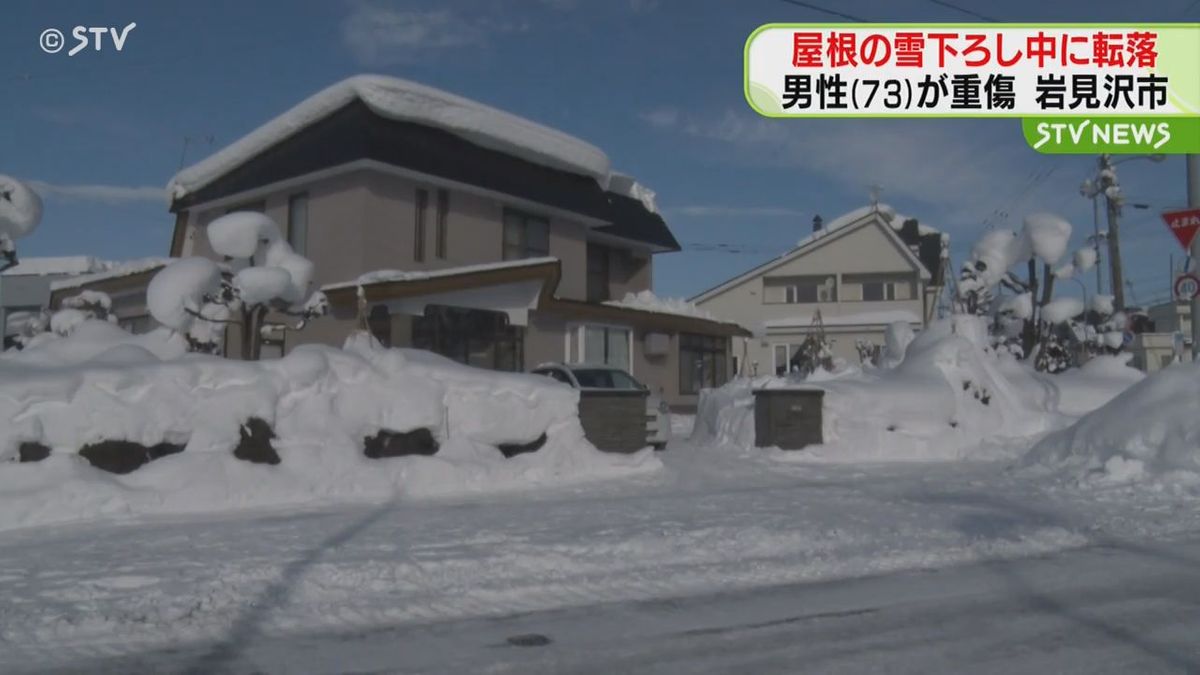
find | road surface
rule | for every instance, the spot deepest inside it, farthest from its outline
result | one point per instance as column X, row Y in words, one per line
column 1109, row 607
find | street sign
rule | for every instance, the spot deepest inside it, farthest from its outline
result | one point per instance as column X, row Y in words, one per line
column 1187, row 286
column 1183, row 224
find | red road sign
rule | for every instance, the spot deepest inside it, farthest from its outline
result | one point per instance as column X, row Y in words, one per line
column 1187, row 286
column 1183, row 224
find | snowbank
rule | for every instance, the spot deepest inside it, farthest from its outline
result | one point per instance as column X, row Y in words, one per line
column 948, row 398
column 1150, row 432
column 406, row 101
column 103, row 384
column 647, row 301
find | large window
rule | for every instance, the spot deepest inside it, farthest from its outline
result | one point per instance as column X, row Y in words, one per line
column 422, row 205
column 525, row 235
column 472, row 336
column 443, row 224
column 703, row 362
column 877, row 288
column 598, row 265
column 795, row 290
column 605, row 345
column 297, row 225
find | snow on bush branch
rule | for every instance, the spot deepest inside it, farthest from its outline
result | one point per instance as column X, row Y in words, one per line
column 197, row 297
column 1031, row 322
column 20, row 213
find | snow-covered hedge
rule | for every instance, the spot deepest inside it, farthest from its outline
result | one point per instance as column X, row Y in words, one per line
column 103, row 384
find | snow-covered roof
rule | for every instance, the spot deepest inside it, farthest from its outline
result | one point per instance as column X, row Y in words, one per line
column 74, row 264
column 111, row 270
column 887, row 214
column 647, row 301
column 878, row 318
column 409, row 102
column 385, row 276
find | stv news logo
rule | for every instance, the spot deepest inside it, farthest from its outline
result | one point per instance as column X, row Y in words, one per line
column 52, row 40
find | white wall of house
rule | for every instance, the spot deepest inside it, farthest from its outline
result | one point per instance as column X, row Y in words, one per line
column 848, row 267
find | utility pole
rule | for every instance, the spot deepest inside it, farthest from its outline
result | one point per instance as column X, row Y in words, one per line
column 1112, row 200
column 1193, row 193
column 1096, row 244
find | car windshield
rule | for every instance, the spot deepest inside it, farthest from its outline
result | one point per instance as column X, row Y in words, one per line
column 605, row 378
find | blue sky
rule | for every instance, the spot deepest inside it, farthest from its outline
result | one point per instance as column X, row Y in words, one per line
column 655, row 83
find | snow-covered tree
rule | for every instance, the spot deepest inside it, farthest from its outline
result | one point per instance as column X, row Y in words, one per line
column 20, row 213
column 262, row 274
column 1031, row 322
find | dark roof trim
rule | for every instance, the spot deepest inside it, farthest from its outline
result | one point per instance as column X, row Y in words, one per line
column 355, row 132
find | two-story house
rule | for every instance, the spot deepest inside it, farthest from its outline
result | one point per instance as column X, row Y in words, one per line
column 849, row 279
column 464, row 230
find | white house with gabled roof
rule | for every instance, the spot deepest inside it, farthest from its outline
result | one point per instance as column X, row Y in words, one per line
column 859, row 273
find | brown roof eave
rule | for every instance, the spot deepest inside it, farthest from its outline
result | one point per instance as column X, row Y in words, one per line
column 674, row 323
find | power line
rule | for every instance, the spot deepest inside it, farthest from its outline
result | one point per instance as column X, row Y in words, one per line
column 964, row 10
column 830, row 12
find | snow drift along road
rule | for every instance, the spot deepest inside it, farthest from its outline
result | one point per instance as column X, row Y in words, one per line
column 103, row 384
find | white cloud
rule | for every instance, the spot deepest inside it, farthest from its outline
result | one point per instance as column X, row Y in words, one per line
column 713, row 211
column 109, row 194
column 961, row 170
column 378, row 35
column 661, row 118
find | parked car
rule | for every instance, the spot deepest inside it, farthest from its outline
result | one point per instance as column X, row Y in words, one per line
column 587, row 376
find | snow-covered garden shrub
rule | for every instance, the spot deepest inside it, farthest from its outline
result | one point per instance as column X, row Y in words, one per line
column 20, row 213
column 196, row 298
column 1031, row 323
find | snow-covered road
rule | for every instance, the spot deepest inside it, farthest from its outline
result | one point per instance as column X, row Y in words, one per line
column 1111, row 608
column 232, row 591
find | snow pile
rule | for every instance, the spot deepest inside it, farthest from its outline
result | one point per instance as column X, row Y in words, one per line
column 111, row 270
column 1046, row 236
column 55, row 265
column 647, row 301
column 176, row 294
column 103, row 384
column 384, row 276
column 1062, row 310
column 406, row 101
column 1150, row 432
column 627, row 186
column 949, row 398
column 20, row 208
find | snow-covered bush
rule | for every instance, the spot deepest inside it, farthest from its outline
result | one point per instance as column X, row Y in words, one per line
column 1054, row 333
column 197, row 298
column 20, row 213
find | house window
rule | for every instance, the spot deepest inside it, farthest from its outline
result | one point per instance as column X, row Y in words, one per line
column 598, row 268
column 796, row 290
column 703, row 362
column 605, row 345
column 877, row 289
column 443, row 215
column 297, row 225
column 472, row 336
column 422, row 205
column 525, row 235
